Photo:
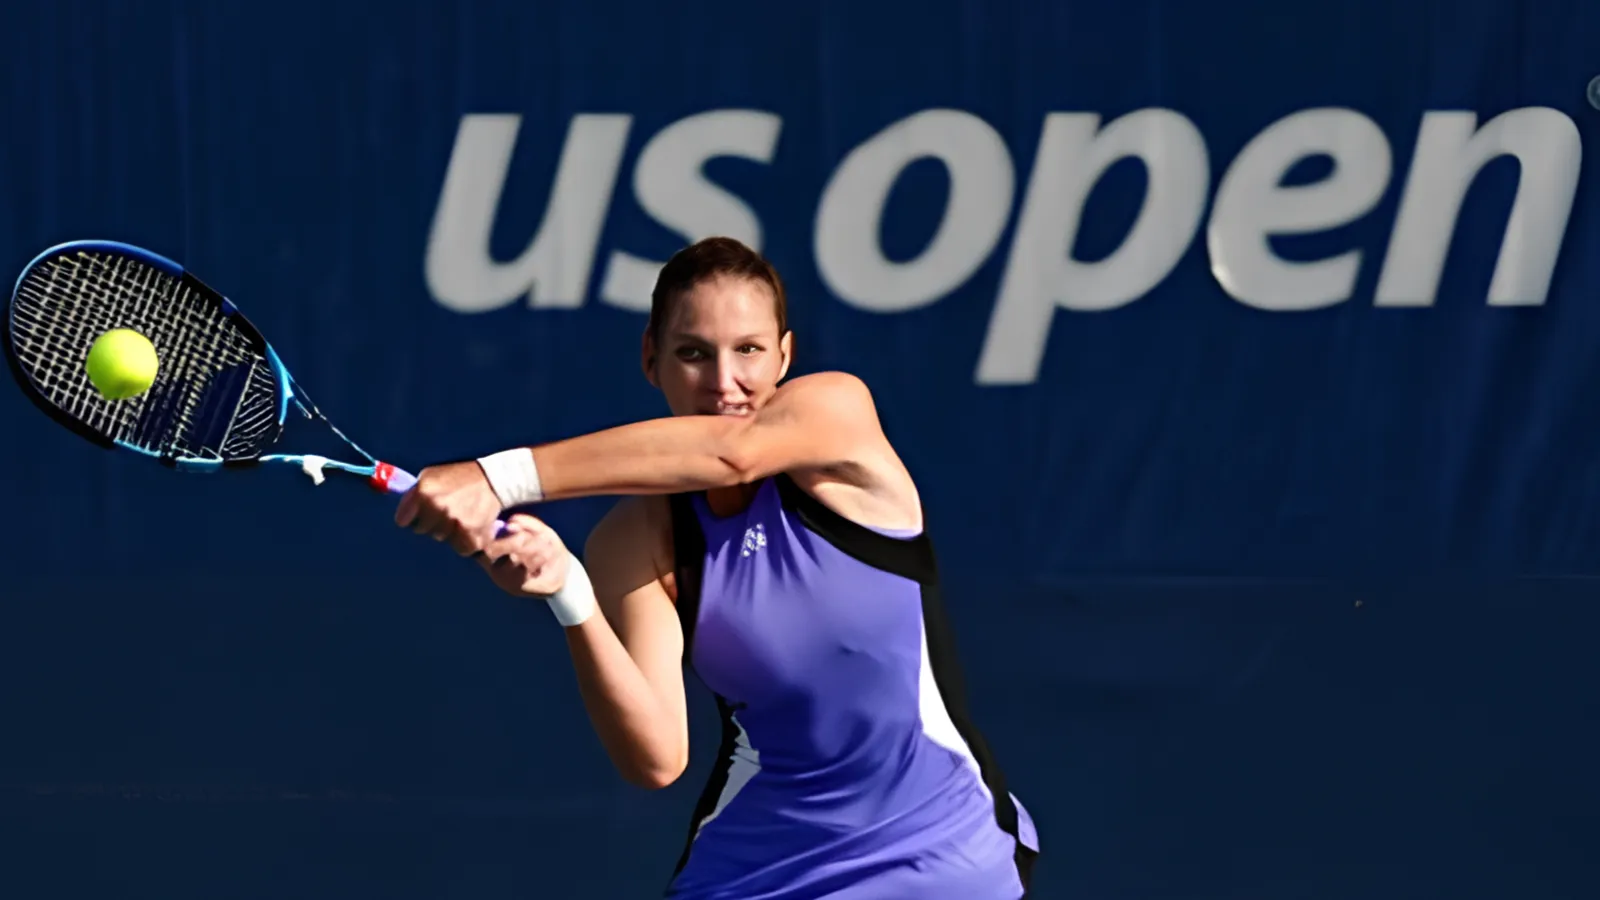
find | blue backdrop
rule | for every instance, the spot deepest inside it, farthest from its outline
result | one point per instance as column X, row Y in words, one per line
column 1243, row 351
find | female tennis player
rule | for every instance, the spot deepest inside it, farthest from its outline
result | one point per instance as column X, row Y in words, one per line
column 772, row 540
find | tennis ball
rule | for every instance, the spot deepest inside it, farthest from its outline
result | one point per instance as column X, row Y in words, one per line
column 122, row 363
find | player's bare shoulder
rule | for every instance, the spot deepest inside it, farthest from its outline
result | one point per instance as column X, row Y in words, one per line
column 632, row 545
column 870, row 483
column 839, row 405
column 840, row 392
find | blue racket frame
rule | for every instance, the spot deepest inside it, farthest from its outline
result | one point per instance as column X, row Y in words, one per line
column 379, row 475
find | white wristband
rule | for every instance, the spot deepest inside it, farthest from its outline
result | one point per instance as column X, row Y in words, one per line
column 513, row 477
column 574, row 603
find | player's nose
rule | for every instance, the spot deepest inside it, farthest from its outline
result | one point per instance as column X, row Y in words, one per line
column 727, row 380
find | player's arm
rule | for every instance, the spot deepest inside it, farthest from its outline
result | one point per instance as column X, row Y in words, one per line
column 629, row 659
column 821, row 421
column 824, row 424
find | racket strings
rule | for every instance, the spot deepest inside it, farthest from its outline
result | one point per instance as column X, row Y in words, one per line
column 214, row 397
column 255, row 422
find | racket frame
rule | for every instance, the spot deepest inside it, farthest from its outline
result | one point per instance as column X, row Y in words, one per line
column 379, row 475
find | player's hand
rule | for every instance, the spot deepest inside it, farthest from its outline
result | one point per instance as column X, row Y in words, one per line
column 452, row 503
column 528, row 560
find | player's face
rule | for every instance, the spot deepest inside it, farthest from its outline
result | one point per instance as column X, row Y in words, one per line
column 720, row 350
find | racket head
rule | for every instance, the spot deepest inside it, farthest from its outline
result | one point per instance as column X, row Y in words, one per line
column 221, row 394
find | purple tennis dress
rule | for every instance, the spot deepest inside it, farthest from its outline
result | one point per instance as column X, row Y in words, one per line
column 848, row 767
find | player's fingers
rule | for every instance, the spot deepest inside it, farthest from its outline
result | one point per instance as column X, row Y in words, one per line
column 542, row 530
column 487, row 536
column 527, row 524
column 407, row 510
column 495, row 561
column 501, row 549
column 436, row 524
column 423, row 519
column 505, row 574
column 464, row 542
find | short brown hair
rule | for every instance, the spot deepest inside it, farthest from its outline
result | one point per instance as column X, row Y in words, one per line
column 706, row 260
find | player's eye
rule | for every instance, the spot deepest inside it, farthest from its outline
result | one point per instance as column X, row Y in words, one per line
column 749, row 349
column 691, row 354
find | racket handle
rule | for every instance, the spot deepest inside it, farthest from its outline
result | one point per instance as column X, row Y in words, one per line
column 394, row 480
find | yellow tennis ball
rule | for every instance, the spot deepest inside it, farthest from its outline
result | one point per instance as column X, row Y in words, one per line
column 122, row 363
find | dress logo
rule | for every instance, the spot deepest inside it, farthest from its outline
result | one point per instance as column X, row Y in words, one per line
column 755, row 537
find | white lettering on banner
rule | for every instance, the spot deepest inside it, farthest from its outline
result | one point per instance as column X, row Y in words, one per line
column 1450, row 152
column 671, row 187
column 554, row 270
column 1041, row 276
column 1252, row 205
column 849, row 256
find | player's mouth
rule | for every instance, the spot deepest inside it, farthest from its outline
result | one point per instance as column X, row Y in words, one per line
column 732, row 409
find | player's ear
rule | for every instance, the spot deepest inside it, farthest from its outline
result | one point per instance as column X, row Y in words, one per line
column 647, row 359
column 786, row 349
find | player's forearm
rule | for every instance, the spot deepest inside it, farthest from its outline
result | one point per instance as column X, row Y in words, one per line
column 646, row 743
column 657, row 456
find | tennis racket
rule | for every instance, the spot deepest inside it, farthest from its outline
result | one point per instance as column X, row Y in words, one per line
column 221, row 396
